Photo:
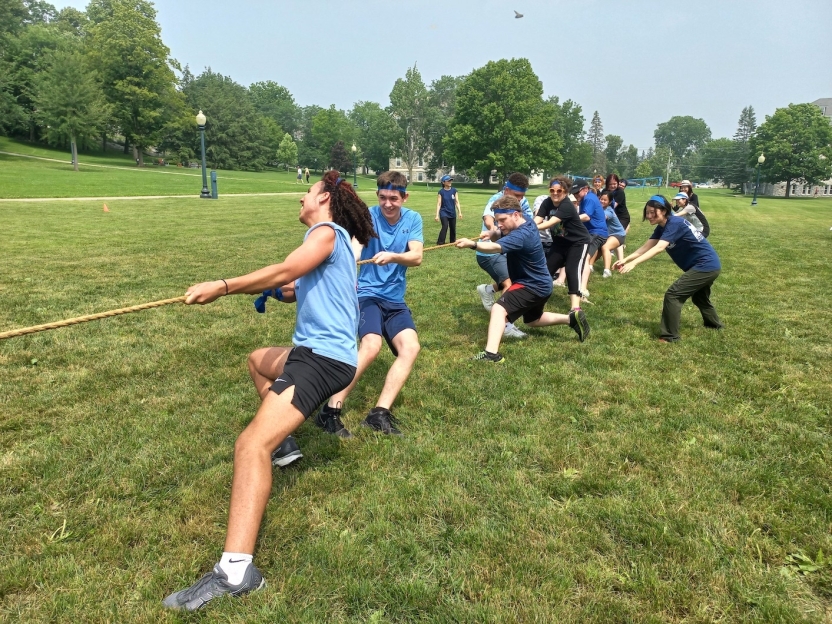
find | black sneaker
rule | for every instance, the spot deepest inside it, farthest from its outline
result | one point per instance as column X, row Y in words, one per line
column 380, row 419
column 497, row 358
column 286, row 453
column 212, row 585
column 329, row 419
column 578, row 322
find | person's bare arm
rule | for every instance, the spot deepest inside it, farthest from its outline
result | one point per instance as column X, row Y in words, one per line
column 652, row 248
column 410, row 258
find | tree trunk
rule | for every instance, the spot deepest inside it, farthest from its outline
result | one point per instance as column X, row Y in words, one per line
column 104, row 142
column 788, row 188
column 126, row 146
column 74, row 152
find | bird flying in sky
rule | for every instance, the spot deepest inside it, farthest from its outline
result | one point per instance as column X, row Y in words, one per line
column 517, row 15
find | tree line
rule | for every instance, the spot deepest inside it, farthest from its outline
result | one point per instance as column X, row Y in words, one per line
column 80, row 78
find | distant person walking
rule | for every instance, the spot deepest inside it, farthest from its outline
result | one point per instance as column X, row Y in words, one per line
column 447, row 207
column 300, row 176
column 306, row 173
column 692, row 253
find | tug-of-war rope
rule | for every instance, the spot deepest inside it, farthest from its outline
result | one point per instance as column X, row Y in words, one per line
column 136, row 308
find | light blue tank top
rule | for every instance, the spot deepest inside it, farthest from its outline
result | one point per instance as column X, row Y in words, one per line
column 327, row 315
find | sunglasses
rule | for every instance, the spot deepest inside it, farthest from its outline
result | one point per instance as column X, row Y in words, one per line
column 556, row 191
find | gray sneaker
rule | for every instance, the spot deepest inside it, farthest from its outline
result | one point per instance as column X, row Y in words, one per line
column 212, row 585
column 286, row 453
column 486, row 297
column 511, row 331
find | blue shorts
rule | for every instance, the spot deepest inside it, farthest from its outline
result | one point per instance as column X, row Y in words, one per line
column 495, row 265
column 385, row 318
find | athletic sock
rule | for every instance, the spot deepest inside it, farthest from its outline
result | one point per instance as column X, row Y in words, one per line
column 234, row 565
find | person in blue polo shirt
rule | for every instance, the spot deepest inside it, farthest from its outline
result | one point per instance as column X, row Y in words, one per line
column 592, row 214
column 447, row 205
column 692, row 253
column 384, row 314
column 531, row 283
column 495, row 265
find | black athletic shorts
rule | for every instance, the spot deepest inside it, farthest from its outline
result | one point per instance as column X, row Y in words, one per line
column 596, row 244
column 315, row 378
column 520, row 301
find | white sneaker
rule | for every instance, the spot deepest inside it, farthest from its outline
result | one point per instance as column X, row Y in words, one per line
column 607, row 273
column 512, row 332
column 557, row 284
column 591, row 269
column 487, row 297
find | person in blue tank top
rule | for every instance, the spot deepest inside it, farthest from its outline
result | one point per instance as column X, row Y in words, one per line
column 531, row 283
column 384, row 314
column 292, row 381
column 692, row 253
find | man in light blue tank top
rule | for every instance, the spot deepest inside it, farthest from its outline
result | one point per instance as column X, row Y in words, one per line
column 292, row 382
column 384, row 314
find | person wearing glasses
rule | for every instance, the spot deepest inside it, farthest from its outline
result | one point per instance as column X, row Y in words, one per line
column 692, row 253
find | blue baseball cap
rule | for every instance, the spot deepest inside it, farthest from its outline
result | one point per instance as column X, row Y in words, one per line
column 446, row 178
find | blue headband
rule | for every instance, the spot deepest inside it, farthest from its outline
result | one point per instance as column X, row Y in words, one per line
column 338, row 181
column 514, row 187
column 393, row 187
column 657, row 198
column 505, row 210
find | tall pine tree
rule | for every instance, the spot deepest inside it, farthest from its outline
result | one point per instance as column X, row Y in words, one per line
column 595, row 136
column 738, row 171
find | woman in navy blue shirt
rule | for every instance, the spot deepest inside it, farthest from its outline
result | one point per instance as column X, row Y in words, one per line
column 692, row 253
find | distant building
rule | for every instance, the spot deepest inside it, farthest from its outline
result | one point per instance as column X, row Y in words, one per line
column 825, row 106
column 421, row 175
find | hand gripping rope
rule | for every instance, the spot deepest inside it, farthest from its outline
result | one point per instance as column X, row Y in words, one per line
column 136, row 308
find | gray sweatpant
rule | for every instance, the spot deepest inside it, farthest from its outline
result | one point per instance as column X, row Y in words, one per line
column 695, row 285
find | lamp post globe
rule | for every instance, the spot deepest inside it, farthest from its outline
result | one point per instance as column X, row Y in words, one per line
column 354, row 174
column 760, row 161
column 200, row 122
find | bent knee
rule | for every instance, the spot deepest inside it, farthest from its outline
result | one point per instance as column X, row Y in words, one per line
column 370, row 345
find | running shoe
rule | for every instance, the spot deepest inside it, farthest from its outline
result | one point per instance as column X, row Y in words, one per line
column 578, row 322
column 329, row 419
column 557, row 284
column 212, row 585
column 607, row 273
column 286, row 453
column 487, row 297
column 511, row 331
column 382, row 419
column 496, row 358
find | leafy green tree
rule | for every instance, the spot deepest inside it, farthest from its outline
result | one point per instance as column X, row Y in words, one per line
column 502, row 122
column 442, row 95
column 126, row 49
column 70, row 101
column 682, row 135
column 377, row 132
column 797, row 143
column 287, row 153
column 612, row 152
column 569, row 125
column 236, row 136
column 276, row 102
column 340, row 158
column 310, row 152
column 739, row 172
column 329, row 126
column 414, row 111
column 644, row 169
column 628, row 161
column 716, row 160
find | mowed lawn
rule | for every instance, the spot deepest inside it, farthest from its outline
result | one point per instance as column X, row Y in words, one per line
column 619, row 480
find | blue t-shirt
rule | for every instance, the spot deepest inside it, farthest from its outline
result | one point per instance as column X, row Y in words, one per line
column 524, row 207
column 525, row 259
column 597, row 223
column 327, row 314
column 387, row 282
column 448, row 207
column 614, row 226
column 688, row 248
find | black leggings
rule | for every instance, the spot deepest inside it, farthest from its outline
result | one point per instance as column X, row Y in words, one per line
column 447, row 223
column 573, row 257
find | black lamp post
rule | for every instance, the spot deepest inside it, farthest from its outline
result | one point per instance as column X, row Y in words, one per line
column 200, row 122
column 354, row 179
column 760, row 161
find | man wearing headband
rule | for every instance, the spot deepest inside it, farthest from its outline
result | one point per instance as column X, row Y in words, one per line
column 531, row 284
column 495, row 265
column 383, row 312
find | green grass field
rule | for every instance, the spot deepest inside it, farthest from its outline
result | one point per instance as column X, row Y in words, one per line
column 619, row 480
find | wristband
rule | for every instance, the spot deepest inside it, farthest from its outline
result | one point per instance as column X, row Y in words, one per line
column 278, row 294
column 226, row 285
column 476, row 244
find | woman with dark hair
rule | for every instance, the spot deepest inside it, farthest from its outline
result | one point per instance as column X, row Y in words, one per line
column 619, row 204
column 686, row 187
column 691, row 253
column 690, row 212
column 321, row 276
column 618, row 235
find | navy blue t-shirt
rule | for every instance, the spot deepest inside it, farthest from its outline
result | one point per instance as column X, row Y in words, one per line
column 448, row 208
column 525, row 259
column 688, row 248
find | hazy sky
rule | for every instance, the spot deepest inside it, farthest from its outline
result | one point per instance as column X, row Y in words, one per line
column 637, row 63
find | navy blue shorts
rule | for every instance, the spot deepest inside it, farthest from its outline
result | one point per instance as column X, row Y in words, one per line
column 384, row 318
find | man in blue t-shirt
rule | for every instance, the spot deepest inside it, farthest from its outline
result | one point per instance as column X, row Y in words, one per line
column 531, row 284
column 592, row 214
column 692, row 253
column 447, row 205
column 383, row 312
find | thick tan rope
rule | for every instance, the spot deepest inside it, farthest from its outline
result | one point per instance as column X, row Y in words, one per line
column 89, row 317
column 360, row 262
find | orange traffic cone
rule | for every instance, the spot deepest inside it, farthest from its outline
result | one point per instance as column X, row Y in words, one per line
column 106, row 209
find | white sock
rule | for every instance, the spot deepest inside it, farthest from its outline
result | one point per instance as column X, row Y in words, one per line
column 489, row 289
column 234, row 565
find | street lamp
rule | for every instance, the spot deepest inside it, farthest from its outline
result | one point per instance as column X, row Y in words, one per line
column 760, row 161
column 200, row 122
column 354, row 180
